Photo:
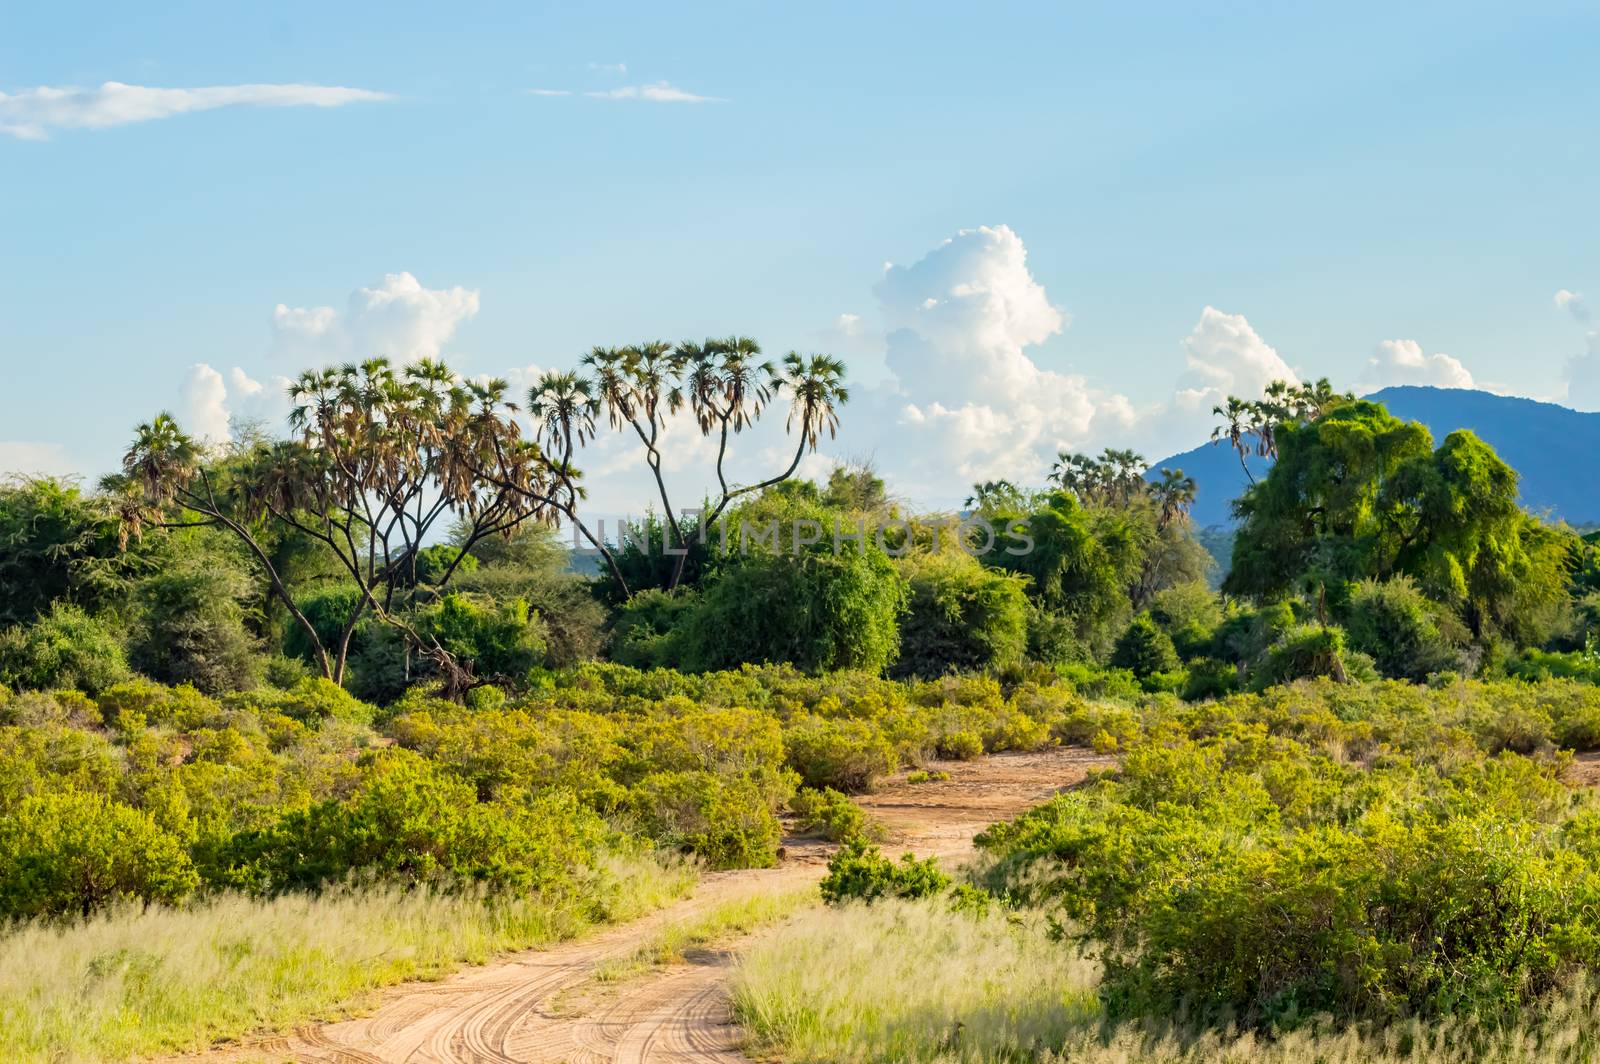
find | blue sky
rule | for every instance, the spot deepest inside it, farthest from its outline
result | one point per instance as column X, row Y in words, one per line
column 1327, row 178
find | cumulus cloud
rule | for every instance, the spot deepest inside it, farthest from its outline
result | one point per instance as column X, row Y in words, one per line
column 32, row 113
column 398, row 318
column 1573, row 304
column 1403, row 362
column 202, row 404
column 212, row 405
column 1226, row 357
column 965, row 402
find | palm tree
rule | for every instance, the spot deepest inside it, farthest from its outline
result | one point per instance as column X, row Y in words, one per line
column 816, row 390
column 1235, row 429
column 1174, row 494
column 563, row 407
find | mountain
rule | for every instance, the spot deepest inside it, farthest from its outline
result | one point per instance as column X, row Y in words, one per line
column 1553, row 448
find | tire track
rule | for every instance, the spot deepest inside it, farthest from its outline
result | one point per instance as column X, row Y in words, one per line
column 505, row 1013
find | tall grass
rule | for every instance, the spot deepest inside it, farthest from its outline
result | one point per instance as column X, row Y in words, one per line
column 915, row 981
column 911, row 981
column 725, row 920
column 132, row 982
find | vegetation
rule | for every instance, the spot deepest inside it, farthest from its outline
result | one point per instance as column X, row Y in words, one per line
column 352, row 675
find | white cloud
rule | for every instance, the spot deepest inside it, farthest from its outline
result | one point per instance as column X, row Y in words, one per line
column 399, row 319
column 31, row 458
column 549, row 92
column 211, row 406
column 202, row 404
column 965, row 401
column 1403, row 362
column 1573, row 304
column 610, row 68
column 1226, row 357
column 657, row 92
column 32, row 113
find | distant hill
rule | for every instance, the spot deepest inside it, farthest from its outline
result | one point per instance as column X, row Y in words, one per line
column 1553, row 448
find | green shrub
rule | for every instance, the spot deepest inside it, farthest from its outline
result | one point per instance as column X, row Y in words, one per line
column 725, row 820
column 435, row 562
column 1536, row 665
column 1301, row 653
column 67, row 854
column 819, row 611
column 1210, row 678
column 1242, row 876
column 960, row 616
column 410, row 823
column 960, row 746
column 493, row 639
column 311, row 701
column 644, row 632
column 860, row 872
column 191, row 614
column 1393, row 623
column 64, row 648
column 1144, row 649
column 847, row 755
column 832, row 815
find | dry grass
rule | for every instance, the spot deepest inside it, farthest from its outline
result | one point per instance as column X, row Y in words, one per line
column 726, row 920
column 137, row 982
column 910, row 981
column 913, row 981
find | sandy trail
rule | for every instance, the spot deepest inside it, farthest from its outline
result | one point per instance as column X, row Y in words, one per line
column 540, row 1006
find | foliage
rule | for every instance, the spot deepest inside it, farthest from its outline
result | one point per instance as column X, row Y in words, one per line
column 436, row 563
column 1230, row 869
column 70, row 853
column 831, row 815
column 860, row 872
column 960, row 616
column 58, row 544
column 644, row 632
column 1356, row 493
column 1399, row 629
column 820, row 611
column 64, row 648
column 495, row 640
column 1144, row 649
column 851, row 755
column 1080, row 563
column 192, row 617
column 413, row 824
column 727, row 821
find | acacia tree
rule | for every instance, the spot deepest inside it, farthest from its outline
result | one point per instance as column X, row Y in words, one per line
column 381, row 457
column 1357, row 494
column 722, row 384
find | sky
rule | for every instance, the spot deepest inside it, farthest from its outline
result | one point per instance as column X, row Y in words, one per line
column 1025, row 227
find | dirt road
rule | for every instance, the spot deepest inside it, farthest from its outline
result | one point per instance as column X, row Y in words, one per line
column 545, row 1006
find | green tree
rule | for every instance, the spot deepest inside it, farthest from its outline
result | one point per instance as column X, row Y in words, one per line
column 1081, row 562
column 1314, row 521
column 382, row 457
column 59, row 545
